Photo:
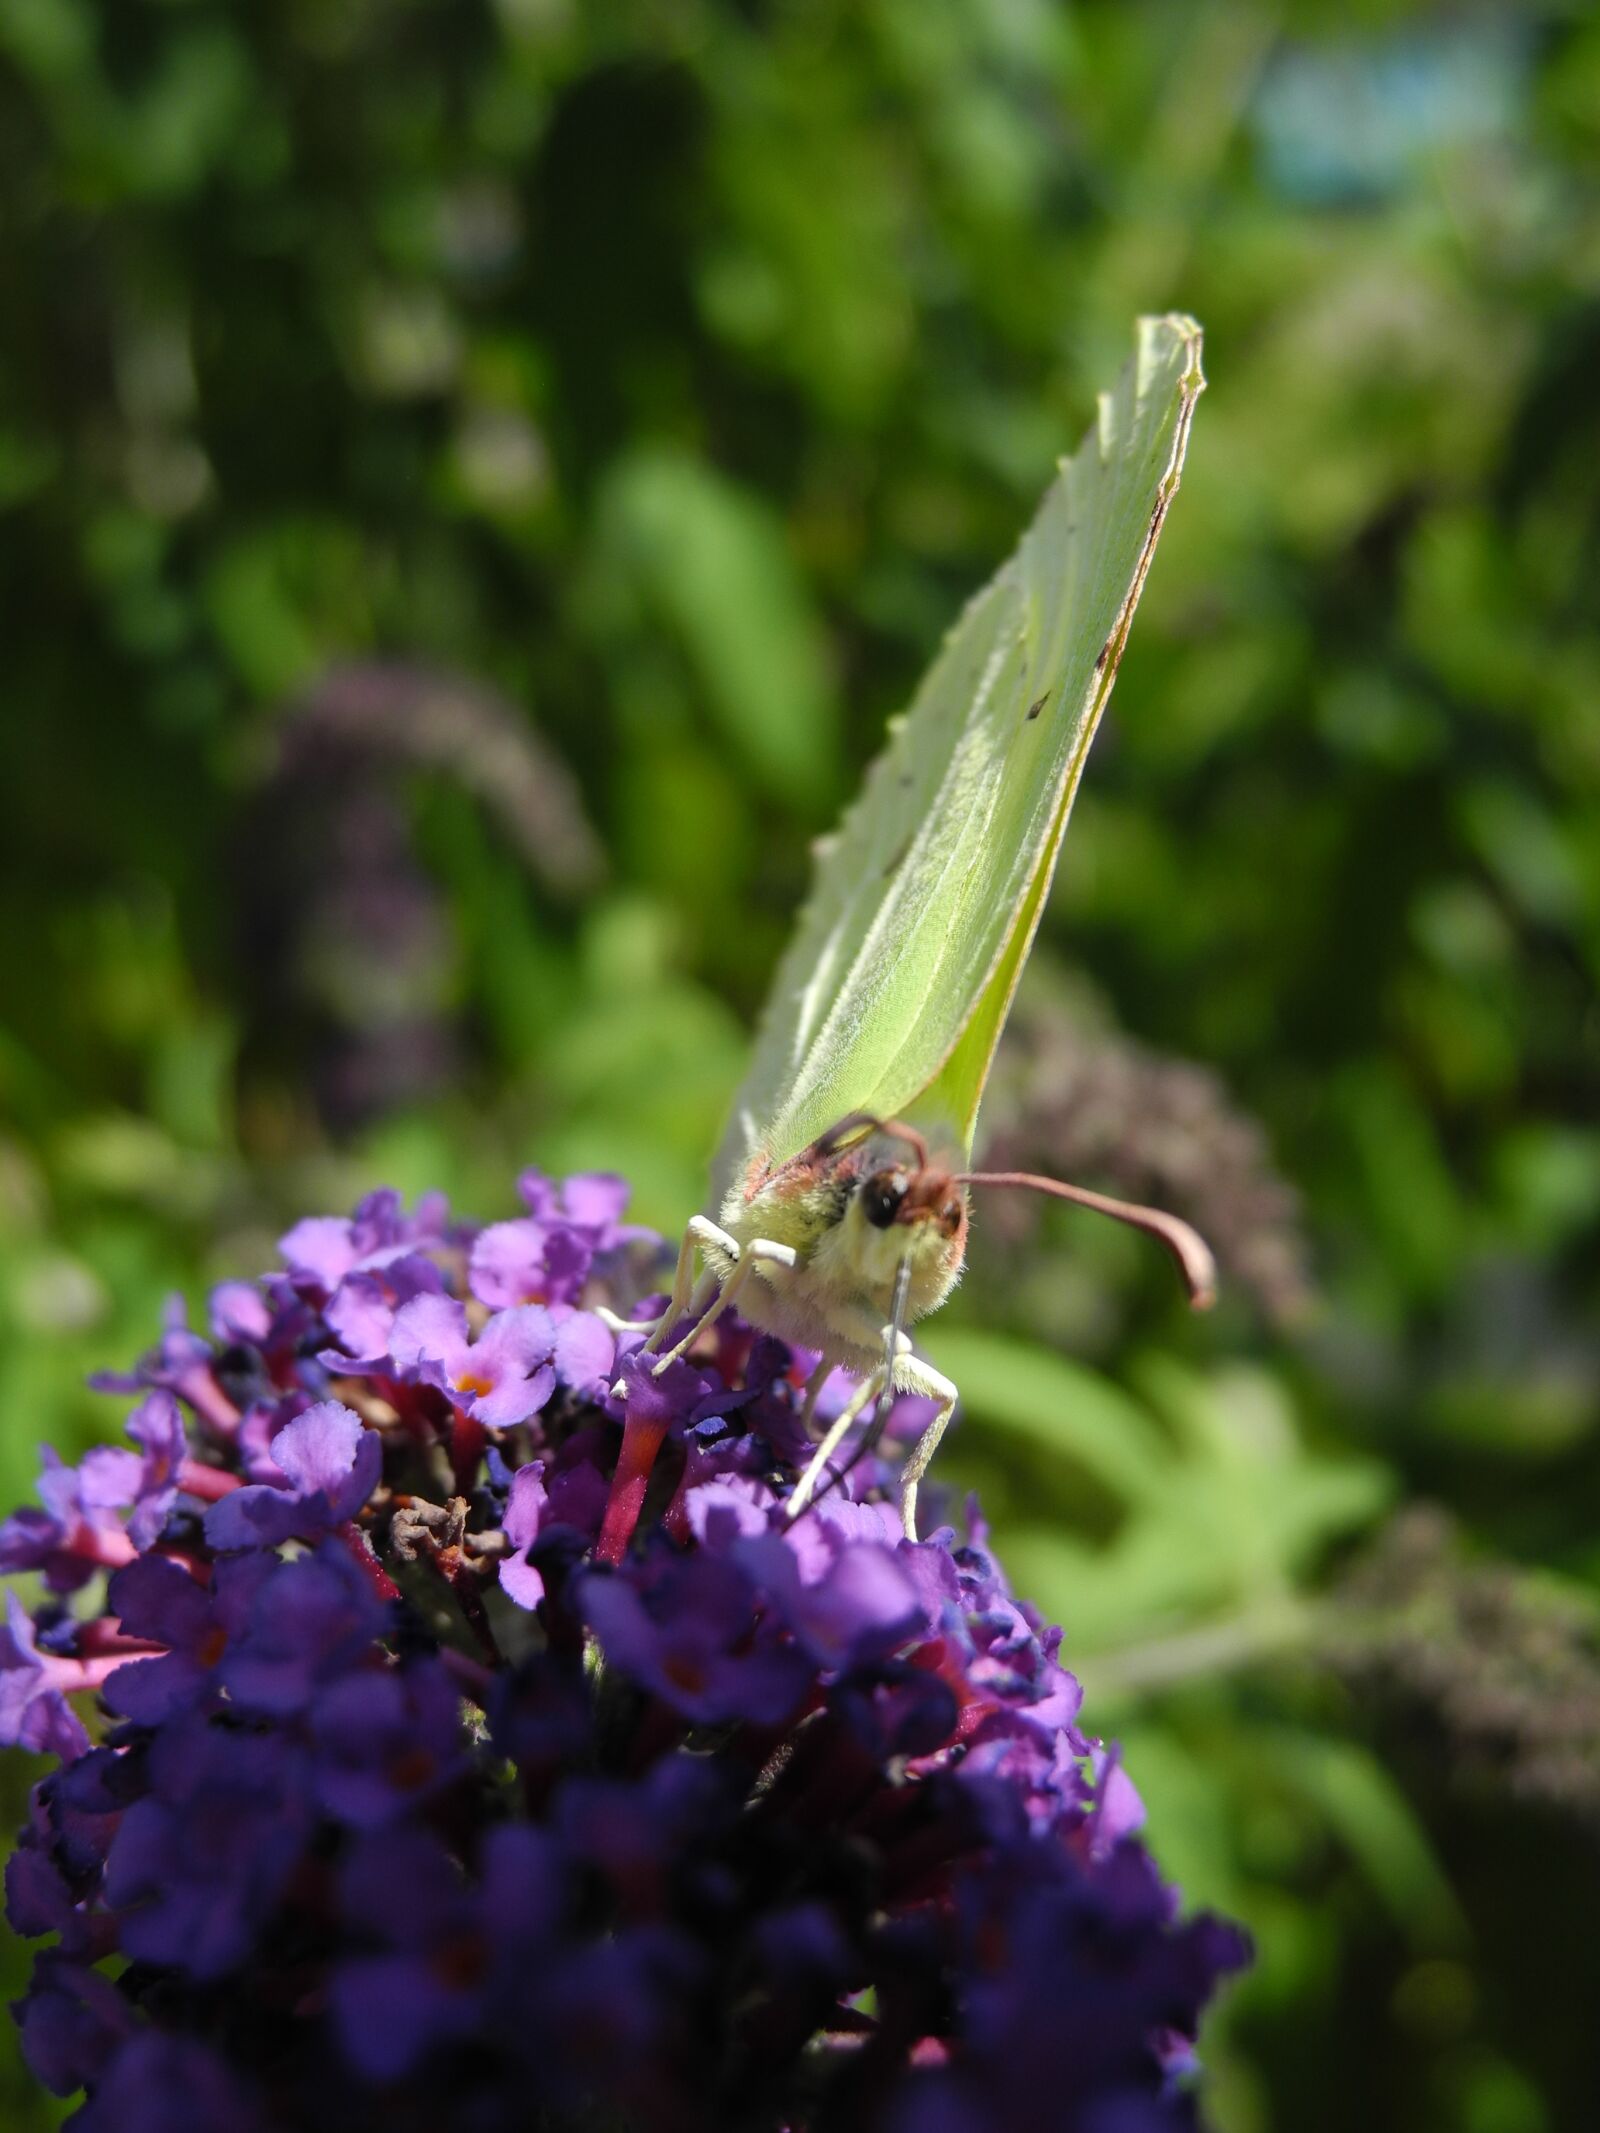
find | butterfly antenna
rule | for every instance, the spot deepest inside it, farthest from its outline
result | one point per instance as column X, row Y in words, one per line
column 1189, row 1249
column 860, row 1126
column 878, row 1419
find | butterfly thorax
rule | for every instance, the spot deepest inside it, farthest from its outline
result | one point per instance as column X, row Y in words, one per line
column 852, row 1220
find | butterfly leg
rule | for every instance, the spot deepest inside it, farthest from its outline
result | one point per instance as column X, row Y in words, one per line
column 813, row 1392
column 685, row 1295
column 913, row 1374
column 757, row 1251
column 678, row 1302
column 870, row 1389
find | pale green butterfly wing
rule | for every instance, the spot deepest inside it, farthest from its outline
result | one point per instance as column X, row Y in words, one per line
column 893, row 991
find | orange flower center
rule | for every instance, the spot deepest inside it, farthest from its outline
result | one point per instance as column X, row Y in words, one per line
column 412, row 1770
column 685, row 1674
column 460, row 1961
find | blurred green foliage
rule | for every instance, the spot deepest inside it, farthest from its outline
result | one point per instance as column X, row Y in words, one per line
column 673, row 373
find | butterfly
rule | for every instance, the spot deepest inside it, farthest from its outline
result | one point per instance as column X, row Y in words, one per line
column 842, row 1180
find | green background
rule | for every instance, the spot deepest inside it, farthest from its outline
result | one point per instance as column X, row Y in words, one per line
column 474, row 479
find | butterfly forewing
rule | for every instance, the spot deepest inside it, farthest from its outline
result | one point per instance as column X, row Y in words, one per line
column 893, row 991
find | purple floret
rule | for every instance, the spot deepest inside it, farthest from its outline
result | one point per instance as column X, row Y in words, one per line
column 315, row 1617
column 198, row 1865
column 157, row 1601
column 156, row 1426
column 168, row 2084
column 76, row 1530
column 182, row 1362
column 361, row 1311
column 529, row 1263
column 34, row 1686
column 688, row 1630
column 447, row 1947
column 387, row 1740
column 331, row 1465
column 71, row 2022
column 527, row 1508
column 499, row 1379
column 320, row 1251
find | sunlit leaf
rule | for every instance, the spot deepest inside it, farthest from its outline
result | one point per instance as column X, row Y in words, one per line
column 711, row 561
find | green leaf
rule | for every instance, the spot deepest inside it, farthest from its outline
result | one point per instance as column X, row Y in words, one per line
column 1066, row 1409
column 711, row 560
column 1375, row 1822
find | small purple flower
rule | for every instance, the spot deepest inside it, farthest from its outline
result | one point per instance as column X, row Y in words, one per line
column 156, row 1426
column 545, row 1257
column 527, row 1502
column 500, row 1379
column 161, row 1603
column 452, row 1947
column 331, row 1464
column 863, row 1607
column 591, row 1201
column 160, row 2084
column 723, row 1512
column 897, row 1708
column 386, row 1740
column 320, row 1251
column 34, row 1686
column 312, row 1620
column 181, row 1362
column 198, row 1865
column 563, row 1499
column 585, row 1353
column 1118, row 1809
column 239, row 1311
column 38, row 1900
column 690, row 1634
column 528, row 1262
column 640, row 1833
column 622, row 2007
column 1010, row 1662
column 541, row 1716
column 72, row 2021
column 766, row 1407
column 77, row 1530
column 835, row 1576
column 361, row 1311
column 77, row 1808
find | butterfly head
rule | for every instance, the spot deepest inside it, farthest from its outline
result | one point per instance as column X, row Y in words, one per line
column 904, row 1206
column 857, row 1204
column 886, row 1200
column 907, row 1200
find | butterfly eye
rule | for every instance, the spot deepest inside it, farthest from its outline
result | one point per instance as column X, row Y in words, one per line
column 881, row 1196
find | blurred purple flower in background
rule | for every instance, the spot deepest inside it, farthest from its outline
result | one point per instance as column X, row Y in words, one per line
column 445, row 1741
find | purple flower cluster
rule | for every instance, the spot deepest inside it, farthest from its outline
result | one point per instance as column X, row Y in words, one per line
column 452, row 1730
